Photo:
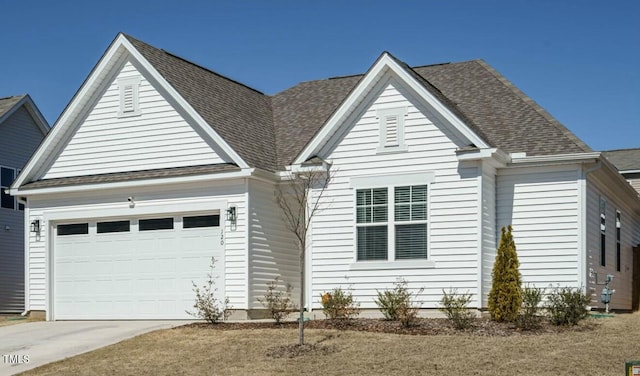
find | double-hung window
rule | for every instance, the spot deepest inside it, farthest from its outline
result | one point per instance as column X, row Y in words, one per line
column 372, row 223
column 392, row 220
column 7, row 176
column 410, row 212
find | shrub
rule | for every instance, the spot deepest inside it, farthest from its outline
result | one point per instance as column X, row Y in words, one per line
column 567, row 306
column 455, row 307
column 529, row 317
column 398, row 304
column 278, row 302
column 207, row 307
column 505, row 296
column 339, row 304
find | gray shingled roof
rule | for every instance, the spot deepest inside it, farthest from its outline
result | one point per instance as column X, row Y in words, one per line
column 7, row 103
column 269, row 132
column 133, row 175
column 239, row 114
column 489, row 104
column 624, row 159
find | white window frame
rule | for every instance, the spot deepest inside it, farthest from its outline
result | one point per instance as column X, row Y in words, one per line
column 384, row 115
column 134, row 83
column 391, row 181
column 16, row 204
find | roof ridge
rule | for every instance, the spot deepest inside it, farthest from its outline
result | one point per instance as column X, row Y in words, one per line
column 176, row 56
column 534, row 105
column 13, row 96
column 208, row 70
column 623, row 149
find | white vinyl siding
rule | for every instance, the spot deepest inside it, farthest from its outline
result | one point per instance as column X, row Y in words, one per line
column 453, row 207
column 234, row 238
column 598, row 187
column 542, row 207
column 159, row 138
column 273, row 249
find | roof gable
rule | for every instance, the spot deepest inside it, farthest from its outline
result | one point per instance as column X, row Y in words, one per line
column 240, row 114
column 385, row 66
column 102, row 74
column 483, row 99
column 9, row 105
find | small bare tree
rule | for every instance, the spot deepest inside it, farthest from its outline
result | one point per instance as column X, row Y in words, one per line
column 299, row 205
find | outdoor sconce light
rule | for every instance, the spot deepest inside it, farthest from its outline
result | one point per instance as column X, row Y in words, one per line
column 132, row 202
column 35, row 226
column 231, row 215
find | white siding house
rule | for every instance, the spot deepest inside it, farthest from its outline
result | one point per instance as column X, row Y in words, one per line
column 159, row 164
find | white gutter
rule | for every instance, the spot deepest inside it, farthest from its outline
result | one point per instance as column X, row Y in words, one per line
column 557, row 158
column 131, row 183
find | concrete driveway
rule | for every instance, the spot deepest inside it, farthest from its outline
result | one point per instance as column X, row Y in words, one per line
column 29, row 345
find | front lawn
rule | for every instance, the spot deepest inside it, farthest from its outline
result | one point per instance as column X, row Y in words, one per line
column 15, row 319
column 600, row 347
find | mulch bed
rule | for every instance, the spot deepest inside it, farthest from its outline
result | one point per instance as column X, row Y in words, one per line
column 425, row 326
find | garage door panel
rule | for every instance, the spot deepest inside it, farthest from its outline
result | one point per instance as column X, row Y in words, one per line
column 135, row 274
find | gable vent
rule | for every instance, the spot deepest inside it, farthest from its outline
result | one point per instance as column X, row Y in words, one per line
column 391, row 125
column 392, row 131
column 129, row 101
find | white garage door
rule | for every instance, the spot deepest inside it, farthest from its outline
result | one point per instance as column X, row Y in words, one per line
column 135, row 268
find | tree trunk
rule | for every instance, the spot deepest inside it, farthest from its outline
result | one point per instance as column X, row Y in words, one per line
column 301, row 318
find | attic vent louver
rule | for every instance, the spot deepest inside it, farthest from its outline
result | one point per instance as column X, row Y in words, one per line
column 391, row 121
column 129, row 101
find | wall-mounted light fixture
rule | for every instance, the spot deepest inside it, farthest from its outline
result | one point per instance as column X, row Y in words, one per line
column 132, row 202
column 231, row 215
column 35, row 226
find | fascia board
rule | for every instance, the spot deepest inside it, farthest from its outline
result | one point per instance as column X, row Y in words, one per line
column 367, row 82
column 131, row 184
column 65, row 119
column 42, row 123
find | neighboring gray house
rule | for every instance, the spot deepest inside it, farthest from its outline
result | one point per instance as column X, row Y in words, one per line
column 22, row 128
column 627, row 161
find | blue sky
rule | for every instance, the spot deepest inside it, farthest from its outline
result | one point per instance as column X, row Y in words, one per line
column 580, row 60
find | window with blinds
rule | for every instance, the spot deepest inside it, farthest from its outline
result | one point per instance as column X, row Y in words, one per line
column 371, row 221
column 411, row 222
column 405, row 226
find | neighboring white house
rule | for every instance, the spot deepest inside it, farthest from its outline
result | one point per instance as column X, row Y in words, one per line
column 158, row 164
column 22, row 128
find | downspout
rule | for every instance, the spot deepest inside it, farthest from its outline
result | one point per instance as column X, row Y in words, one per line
column 583, row 209
column 23, row 201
